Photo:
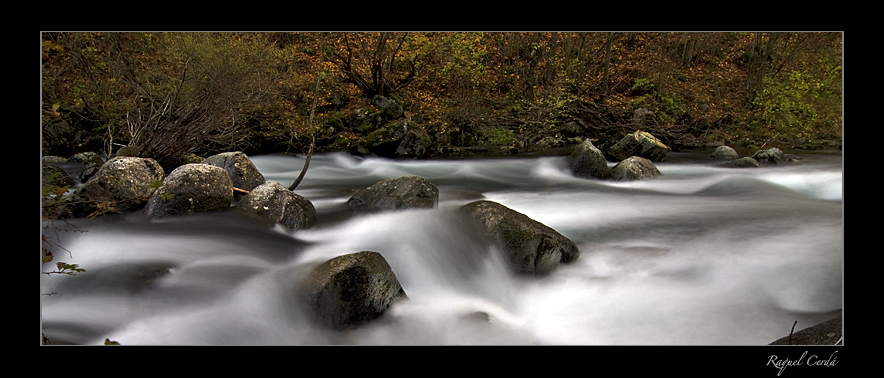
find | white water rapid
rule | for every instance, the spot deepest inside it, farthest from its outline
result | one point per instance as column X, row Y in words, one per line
column 703, row 255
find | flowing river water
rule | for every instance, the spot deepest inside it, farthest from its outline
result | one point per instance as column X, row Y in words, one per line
column 703, row 255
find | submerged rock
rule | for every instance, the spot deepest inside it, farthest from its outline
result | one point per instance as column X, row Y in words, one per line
column 276, row 203
column 191, row 188
column 531, row 247
column 350, row 290
column 397, row 193
column 634, row 168
column 743, row 162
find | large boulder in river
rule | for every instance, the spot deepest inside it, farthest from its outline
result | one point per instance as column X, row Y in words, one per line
column 121, row 184
column 191, row 188
column 589, row 161
column 349, row 290
column 243, row 173
column 396, row 193
column 530, row 246
column 640, row 144
column 634, row 168
column 276, row 203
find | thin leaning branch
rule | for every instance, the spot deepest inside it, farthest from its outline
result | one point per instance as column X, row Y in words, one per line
column 310, row 119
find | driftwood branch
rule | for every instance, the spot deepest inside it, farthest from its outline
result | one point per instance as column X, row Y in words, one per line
column 306, row 164
column 312, row 111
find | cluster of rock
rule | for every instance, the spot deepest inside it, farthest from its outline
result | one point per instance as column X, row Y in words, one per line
column 355, row 288
column 342, row 292
column 129, row 183
column 635, row 154
column 768, row 156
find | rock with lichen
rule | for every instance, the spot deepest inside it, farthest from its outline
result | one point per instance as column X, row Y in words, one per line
column 277, row 204
column 640, row 144
column 191, row 188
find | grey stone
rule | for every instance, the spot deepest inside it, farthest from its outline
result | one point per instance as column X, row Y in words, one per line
column 191, row 188
column 770, row 155
column 640, row 144
column 350, row 290
column 397, row 193
column 530, row 246
column 634, row 168
column 243, row 173
column 277, row 204
column 589, row 161
column 121, row 184
column 744, row 162
column 725, row 153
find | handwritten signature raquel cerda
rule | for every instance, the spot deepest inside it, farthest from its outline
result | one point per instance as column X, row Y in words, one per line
column 804, row 360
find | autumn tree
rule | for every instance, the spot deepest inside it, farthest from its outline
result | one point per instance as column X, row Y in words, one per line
column 169, row 93
column 373, row 62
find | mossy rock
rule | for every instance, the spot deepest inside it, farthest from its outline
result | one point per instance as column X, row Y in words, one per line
column 639, row 144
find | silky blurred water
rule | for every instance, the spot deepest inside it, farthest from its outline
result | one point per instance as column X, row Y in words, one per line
column 703, row 255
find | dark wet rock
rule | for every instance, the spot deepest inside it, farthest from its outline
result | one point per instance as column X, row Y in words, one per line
column 92, row 162
column 53, row 175
column 394, row 194
column 531, row 247
column 589, row 161
column 350, row 290
column 389, row 107
column 399, row 140
column 770, row 155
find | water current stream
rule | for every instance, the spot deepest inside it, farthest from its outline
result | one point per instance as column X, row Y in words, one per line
column 704, row 255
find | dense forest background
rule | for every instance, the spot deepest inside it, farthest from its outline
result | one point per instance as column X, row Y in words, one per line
column 174, row 94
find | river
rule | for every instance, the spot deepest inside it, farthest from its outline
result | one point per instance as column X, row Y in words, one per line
column 703, row 255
